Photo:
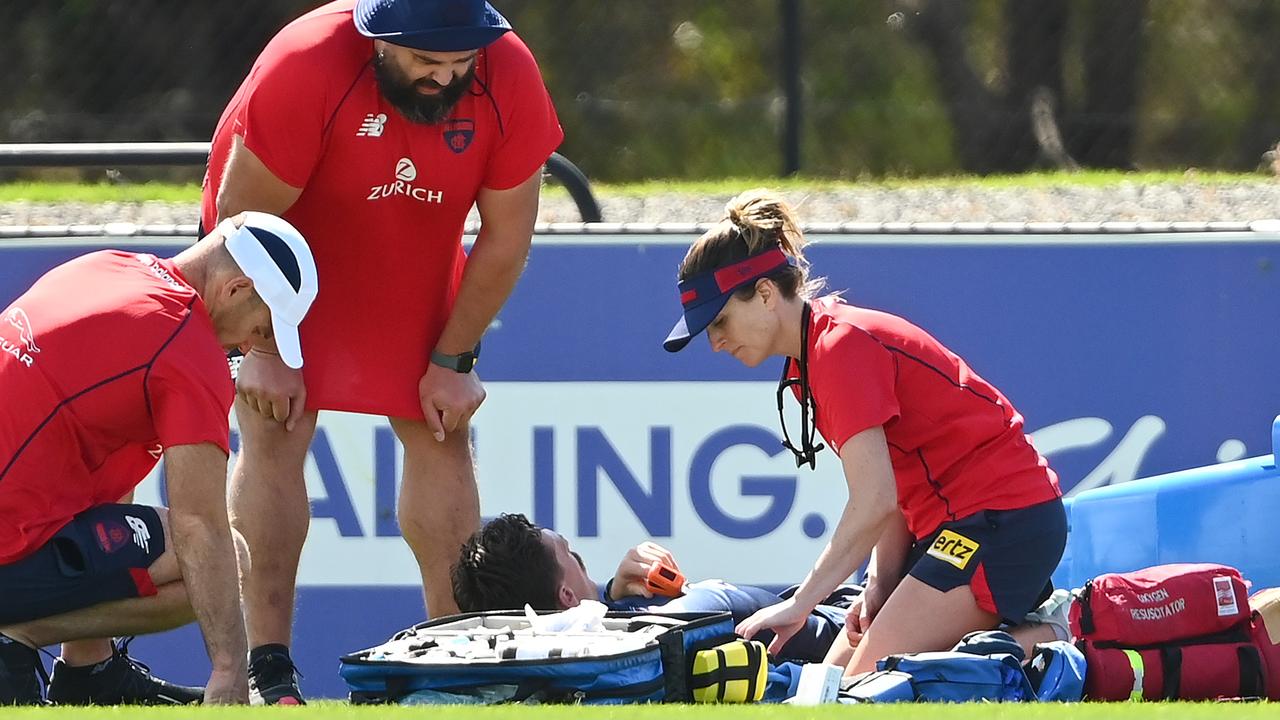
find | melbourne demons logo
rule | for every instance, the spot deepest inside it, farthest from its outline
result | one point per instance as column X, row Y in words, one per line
column 458, row 135
column 111, row 536
column 26, row 346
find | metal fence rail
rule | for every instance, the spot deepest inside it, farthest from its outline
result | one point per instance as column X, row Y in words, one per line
column 945, row 232
column 559, row 168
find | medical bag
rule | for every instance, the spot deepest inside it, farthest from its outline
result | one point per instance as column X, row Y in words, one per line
column 984, row 666
column 502, row 657
column 1160, row 604
column 1231, row 668
column 1169, row 632
column 735, row 672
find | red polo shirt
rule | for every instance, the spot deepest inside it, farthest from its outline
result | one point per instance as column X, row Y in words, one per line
column 384, row 200
column 956, row 442
column 107, row 360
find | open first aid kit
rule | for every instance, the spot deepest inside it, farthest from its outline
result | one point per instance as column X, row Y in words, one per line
column 585, row 655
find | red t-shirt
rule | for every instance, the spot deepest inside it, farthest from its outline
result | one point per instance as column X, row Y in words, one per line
column 107, row 360
column 956, row 443
column 384, row 200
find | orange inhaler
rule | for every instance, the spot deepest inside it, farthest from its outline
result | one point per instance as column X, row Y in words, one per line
column 662, row 579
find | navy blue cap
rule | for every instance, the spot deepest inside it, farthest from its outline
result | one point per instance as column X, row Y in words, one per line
column 431, row 25
column 704, row 296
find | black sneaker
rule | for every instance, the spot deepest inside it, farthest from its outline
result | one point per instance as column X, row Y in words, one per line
column 22, row 678
column 118, row 680
column 273, row 678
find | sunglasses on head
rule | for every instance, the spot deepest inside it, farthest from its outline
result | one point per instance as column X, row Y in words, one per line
column 807, row 453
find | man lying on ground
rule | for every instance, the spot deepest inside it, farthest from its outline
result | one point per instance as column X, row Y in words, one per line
column 510, row 562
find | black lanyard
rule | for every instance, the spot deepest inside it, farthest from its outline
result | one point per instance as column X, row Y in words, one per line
column 808, row 451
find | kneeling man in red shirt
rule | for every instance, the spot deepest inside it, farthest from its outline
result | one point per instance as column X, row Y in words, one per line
column 111, row 362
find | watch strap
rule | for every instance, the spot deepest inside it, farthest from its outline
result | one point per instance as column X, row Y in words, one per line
column 462, row 363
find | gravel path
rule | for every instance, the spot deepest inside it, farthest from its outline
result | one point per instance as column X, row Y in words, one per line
column 1190, row 201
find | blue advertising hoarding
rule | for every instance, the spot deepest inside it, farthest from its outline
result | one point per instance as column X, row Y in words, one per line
column 1128, row 356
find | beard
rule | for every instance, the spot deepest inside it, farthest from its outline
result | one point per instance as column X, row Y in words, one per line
column 402, row 92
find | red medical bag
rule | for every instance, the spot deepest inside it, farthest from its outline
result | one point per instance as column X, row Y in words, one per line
column 1172, row 671
column 1160, row 604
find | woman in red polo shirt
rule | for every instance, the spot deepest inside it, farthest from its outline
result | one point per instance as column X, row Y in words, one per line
column 965, row 517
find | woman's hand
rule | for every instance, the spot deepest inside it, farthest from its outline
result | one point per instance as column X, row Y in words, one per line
column 785, row 619
column 863, row 610
column 853, row 621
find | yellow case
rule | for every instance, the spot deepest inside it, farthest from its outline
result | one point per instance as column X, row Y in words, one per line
column 735, row 672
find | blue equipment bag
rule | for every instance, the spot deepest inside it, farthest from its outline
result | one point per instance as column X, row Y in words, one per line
column 404, row 668
column 942, row 677
column 984, row 666
column 1056, row 671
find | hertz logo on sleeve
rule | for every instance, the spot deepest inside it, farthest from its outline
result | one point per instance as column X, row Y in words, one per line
column 953, row 548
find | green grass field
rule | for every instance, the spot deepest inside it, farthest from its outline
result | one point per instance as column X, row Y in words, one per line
column 62, row 192
column 338, row 711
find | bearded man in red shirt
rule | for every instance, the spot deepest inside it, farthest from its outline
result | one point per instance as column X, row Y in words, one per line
column 375, row 126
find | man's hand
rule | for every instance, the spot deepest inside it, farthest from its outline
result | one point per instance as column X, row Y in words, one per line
column 494, row 264
column 202, row 540
column 272, row 388
column 628, row 581
column 227, row 687
column 449, row 399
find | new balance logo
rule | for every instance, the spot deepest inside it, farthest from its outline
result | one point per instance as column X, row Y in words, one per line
column 141, row 535
column 373, row 125
column 156, row 269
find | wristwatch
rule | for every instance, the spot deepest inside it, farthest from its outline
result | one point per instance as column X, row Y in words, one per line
column 458, row 363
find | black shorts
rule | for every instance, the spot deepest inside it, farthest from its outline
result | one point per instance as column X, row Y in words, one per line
column 101, row 555
column 1005, row 556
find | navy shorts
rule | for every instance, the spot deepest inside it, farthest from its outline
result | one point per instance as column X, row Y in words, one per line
column 103, row 554
column 1005, row 556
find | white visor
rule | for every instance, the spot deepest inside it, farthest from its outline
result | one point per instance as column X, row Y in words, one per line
column 273, row 254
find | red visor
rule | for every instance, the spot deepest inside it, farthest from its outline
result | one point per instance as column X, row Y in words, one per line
column 705, row 294
column 730, row 277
